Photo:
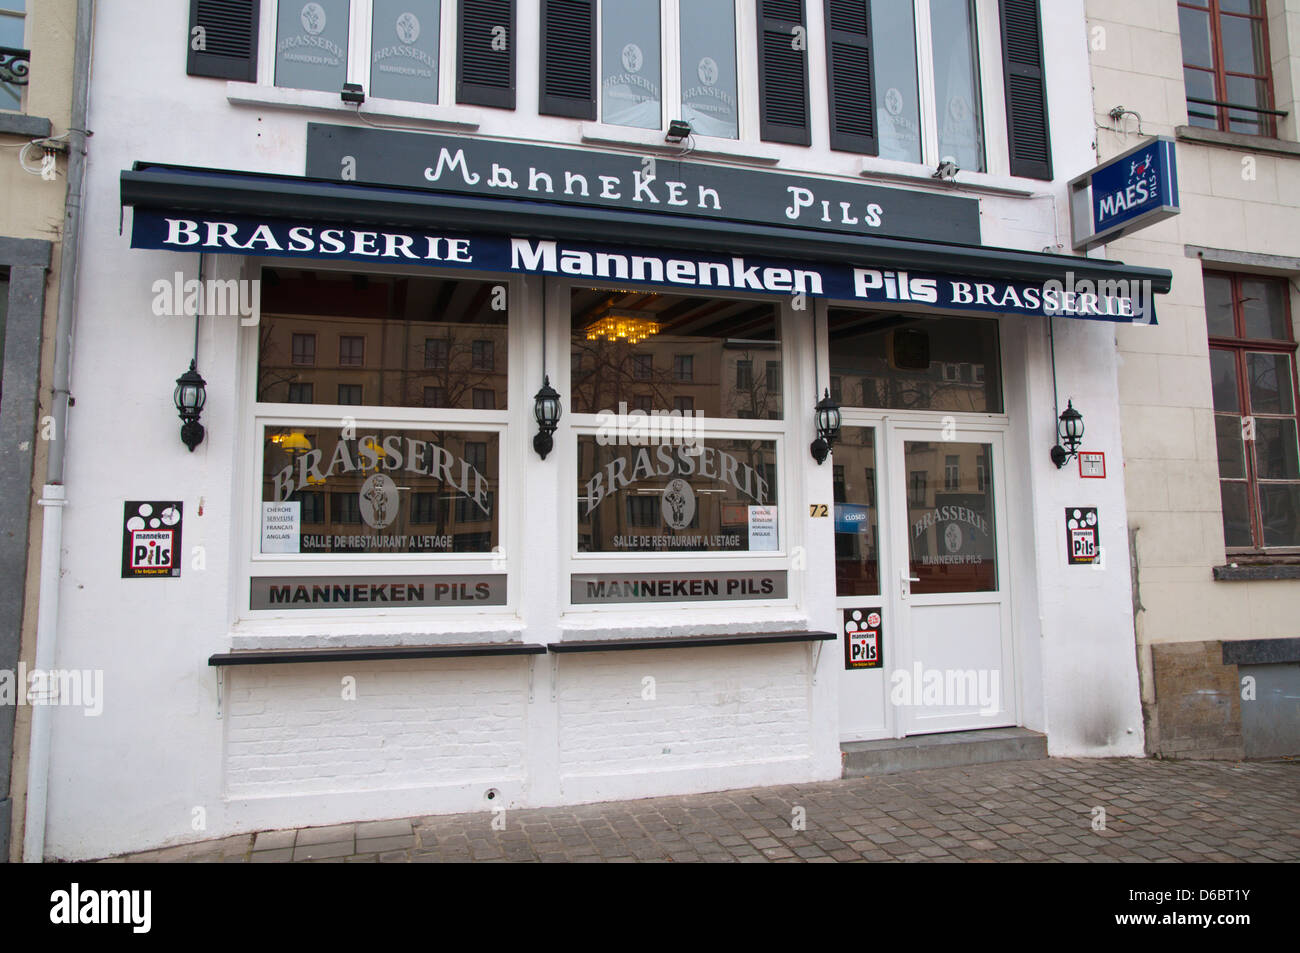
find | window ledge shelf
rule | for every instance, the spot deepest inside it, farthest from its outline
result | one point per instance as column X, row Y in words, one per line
column 29, row 127
column 1237, row 140
column 285, row 635
column 652, row 140
column 381, row 654
column 452, row 118
column 965, row 182
column 1261, row 652
column 1256, row 573
column 688, row 642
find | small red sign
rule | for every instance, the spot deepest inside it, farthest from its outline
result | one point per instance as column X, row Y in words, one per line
column 1092, row 464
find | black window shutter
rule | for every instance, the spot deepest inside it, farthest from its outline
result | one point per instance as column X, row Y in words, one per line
column 1022, row 56
column 850, row 79
column 568, row 59
column 783, row 72
column 485, row 71
column 227, row 32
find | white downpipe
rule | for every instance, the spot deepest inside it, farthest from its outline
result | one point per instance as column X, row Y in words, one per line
column 53, row 499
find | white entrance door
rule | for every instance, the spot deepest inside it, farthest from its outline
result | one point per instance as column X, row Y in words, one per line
column 953, row 668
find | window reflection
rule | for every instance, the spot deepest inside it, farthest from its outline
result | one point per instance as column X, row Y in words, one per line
column 956, row 83
column 950, row 527
column 898, row 109
column 380, row 340
column 910, row 362
column 670, row 352
column 708, row 58
column 857, row 528
column 630, row 63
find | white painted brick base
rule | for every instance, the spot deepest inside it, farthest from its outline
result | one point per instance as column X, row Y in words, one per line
column 723, row 706
column 289, row 730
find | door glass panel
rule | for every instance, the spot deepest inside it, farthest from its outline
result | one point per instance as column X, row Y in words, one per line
column 857, row 526
column 311, row 45
column 404, row 50
column 952, row 544
column 1271, row 388
column 1243, row 45
column 898, row 109
column 1263, row 303
column 1236, row 514
column 1223, row 375
column 1232, row 459
column 1218, row 303
column 956, row 84
column 1194, row 28
column 630, row 63
column 708, row 34
column 1275, row 449
column 1279, row 505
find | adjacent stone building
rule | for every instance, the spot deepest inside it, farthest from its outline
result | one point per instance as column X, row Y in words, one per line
column 1209, row 396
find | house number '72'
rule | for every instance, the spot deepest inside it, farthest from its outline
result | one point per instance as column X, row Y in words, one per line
column 818, row 510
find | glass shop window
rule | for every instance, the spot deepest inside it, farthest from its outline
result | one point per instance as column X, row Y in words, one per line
column 894, row 361
column 402, row 341
column 333, row 482
column 666, row 352
column 665, row 498
column 391, row 490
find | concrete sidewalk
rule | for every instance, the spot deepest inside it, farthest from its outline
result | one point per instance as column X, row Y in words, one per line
column 1013, row 811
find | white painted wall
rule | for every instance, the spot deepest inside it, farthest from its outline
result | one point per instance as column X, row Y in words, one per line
column 132, row 778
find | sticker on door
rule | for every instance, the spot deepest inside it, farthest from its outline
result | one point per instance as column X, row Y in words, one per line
column 862, row 639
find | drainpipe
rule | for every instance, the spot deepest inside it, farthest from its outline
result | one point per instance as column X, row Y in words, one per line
column 53, row 496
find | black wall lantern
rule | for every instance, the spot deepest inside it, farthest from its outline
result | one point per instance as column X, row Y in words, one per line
column 1070, row 432
column 190, row 396
column 546, row 408
column 828, row 427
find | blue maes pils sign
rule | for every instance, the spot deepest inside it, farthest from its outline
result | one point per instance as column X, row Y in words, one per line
column 1124, row 194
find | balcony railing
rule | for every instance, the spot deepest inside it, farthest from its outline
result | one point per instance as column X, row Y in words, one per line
column 15, row 64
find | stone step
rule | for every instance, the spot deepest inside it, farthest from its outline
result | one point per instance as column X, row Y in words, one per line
column 954, row 749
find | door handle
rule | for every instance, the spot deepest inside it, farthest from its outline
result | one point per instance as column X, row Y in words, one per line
column 904, row 582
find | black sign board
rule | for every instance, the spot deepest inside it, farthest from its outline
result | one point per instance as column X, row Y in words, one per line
column 151, row 538
column 1082, row 545
column 655, row 184
column 863, row 639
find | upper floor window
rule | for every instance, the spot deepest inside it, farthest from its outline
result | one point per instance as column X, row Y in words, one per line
column 642, row 63
column 701, row 38
column 1226, row 65
column 1252, row 368
column 392, row 48
column 13, row 55
column 942, row 119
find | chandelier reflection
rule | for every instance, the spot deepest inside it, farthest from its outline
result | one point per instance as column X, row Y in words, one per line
column 630, row 327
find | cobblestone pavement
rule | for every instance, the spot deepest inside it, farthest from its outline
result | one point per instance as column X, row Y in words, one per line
column 1015, row 811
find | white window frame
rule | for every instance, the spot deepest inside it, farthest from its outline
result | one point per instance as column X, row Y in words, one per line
column 670, row 87
column 988, row 66
column 360, row 32
column 791, row 325
column 255, row 416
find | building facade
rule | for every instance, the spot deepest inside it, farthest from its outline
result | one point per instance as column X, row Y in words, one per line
column 37, row 47
column 381, row 233
column 1209, row 397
